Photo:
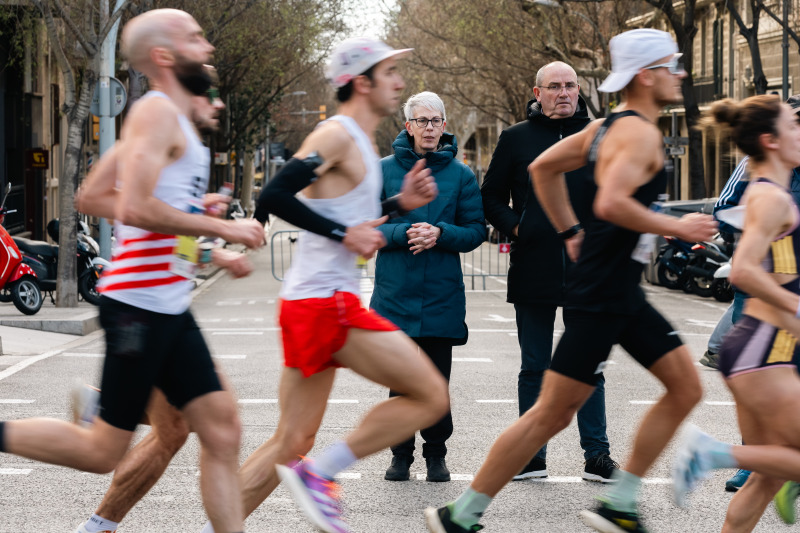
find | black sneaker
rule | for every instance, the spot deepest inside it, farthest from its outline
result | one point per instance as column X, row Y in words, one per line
column 600, row 468
column 537, row 468
column 607, row 520
column 437, row 469
column 438, row 521
column 399, row 469
column 710, row 359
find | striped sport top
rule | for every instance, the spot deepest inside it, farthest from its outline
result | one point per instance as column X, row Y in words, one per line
column 784, row 251
column 143, row 270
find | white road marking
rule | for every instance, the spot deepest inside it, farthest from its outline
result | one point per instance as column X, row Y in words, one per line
column 231, row 356
column 15, row 400
column 225, row 303
column 10, row 371
column 237, row 333
column 479, row 271
column 348, row 475
column 471, row 360
column 81, row 354
column 209, row 320
column 498, row 318
column 719, row 403
column 496, row 401
column 709, row 402
column 702, row 323
column 342, row 401
column 15, row 471
column 643, row 402
column 505, row 330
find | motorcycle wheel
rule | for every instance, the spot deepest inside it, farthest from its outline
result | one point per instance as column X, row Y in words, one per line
column 87, row 286
column 722, row 290
column 666, row 277
column 26, row 295
column 701, row 286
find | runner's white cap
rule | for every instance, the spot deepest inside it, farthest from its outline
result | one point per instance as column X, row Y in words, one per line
column 354, row 57
column 632, row 51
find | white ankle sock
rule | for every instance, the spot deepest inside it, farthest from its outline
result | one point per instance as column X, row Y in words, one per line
column 332, row 460
column 98, row 523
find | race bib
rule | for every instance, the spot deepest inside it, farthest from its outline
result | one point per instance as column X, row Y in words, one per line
column 184, row 257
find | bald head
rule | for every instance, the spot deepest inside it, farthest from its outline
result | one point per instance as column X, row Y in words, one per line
column 158, row 28
column 557, row 90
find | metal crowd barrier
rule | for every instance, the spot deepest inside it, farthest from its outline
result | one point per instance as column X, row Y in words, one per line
column 488, row 261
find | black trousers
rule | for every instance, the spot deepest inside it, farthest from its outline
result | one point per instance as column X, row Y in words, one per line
column 440, row 351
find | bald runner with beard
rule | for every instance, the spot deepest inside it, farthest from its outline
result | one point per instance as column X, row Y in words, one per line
column 151, row 338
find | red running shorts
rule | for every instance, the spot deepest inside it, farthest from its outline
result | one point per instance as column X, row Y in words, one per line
column 313, row 329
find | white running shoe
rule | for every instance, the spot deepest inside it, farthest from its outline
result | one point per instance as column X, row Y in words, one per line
column 82, row 529
column 85, row 404
column 692, row 462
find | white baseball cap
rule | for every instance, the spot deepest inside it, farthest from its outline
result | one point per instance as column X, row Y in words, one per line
column 633, row 50
column 354, row 57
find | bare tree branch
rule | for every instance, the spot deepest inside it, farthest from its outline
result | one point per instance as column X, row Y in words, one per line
column 89, row 48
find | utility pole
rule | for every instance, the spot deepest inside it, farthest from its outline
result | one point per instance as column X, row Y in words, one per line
column 108, row 133
column 785, row 46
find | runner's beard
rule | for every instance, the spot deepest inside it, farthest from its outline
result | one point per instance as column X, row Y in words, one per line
column 193, row 76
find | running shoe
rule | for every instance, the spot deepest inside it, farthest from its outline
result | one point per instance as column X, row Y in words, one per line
column 438, row 521
column 536, row 469
column 691, row 464
column 82, row 529
column 85, row 404
column 737, row 480
column 785, row 500
column 600, row 468
column 608, row 520
column 710, row 360
column 317, row 497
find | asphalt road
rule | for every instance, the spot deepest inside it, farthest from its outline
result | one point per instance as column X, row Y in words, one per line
column 238, row 317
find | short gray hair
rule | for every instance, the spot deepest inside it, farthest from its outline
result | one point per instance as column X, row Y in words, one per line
column 424, row 99
column 540, row 74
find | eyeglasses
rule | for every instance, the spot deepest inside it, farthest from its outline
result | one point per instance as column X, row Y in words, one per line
column 213, row 94
column 557, row 87
column 674, row 66
column 423, row 122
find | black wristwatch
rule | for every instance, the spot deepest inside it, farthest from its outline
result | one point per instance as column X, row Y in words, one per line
column 569, row 232
column 313, row 160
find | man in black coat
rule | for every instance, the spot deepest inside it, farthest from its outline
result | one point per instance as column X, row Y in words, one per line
column 539, row 263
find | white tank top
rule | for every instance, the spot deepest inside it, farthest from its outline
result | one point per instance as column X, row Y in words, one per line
column 322, row 266
column 142, row 264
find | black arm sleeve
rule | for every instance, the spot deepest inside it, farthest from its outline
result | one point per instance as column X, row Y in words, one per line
column 278, row 198
column 391, row 207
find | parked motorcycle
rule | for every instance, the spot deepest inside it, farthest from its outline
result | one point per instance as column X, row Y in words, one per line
column 708, row 257
column 18, row 283
column 43, row 259
column 672, row 263
column 721, row 288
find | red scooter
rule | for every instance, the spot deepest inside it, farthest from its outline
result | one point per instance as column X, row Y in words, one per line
column 18, row 281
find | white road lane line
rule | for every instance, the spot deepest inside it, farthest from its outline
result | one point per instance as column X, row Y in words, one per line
column 496, row 401
column 231, row 356
column 15, row 471
column 81, row 354
column 471, row 360
column 708, row 402
column 237, row 332
column 348, row 475
column 15, row 401
column 10, row 371
column 642, row 402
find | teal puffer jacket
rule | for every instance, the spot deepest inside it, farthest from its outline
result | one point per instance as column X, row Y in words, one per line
column 424, row 294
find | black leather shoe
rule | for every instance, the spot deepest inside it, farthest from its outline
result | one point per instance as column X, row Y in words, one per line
column 399, row 469
column 437, row 469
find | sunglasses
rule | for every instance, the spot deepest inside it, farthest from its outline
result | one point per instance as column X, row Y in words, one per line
column 674, row 66
column 213, row 94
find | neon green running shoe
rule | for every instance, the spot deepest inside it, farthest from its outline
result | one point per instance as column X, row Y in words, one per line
column 785, row 499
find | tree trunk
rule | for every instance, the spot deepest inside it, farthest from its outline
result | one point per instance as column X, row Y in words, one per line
column 67, row 286
column 246, row 193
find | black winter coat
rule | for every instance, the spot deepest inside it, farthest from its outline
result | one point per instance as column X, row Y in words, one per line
column 539, row 263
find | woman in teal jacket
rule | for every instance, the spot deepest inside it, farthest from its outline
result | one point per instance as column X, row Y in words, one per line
column 418, row 280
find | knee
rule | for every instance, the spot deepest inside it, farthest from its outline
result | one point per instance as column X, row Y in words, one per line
column 104, row 461
column 552, row 420
column 224, row 436
column 687, row 396
column 438, row 400
column 294, row 443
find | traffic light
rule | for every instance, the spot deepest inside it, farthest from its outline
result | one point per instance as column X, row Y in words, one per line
column 322, row 112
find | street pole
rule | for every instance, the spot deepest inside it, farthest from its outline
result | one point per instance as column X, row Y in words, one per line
column 785, row 46
column 108, row 134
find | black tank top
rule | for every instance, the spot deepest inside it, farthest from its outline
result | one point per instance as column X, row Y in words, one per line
column 605, row 277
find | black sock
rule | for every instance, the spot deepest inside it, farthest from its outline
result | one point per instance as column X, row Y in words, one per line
column 2, row 435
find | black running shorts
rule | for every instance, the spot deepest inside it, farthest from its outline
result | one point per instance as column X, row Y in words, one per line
column 145, row 349
column 589, row 336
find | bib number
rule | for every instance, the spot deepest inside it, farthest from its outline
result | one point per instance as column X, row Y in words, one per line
column 185, row 257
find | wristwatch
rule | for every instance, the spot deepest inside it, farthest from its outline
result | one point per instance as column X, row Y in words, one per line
column 313, row 160
column 569, row 232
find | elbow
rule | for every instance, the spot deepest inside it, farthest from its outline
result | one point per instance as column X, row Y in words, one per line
column 130, row 216
column 533, row 171
column 737, row 277
column 604, row 209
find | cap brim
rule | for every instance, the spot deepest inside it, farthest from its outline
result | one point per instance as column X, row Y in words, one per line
column 392, row 53
column 616, row 81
